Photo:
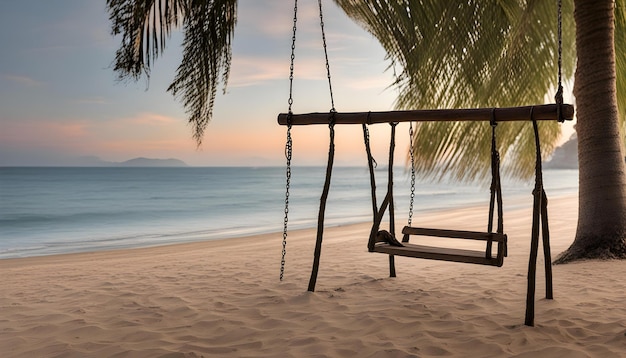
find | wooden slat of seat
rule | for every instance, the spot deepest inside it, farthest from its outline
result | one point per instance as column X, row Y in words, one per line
column 454, row 234
column 438, row 253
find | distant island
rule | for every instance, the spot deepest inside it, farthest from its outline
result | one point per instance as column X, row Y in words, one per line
column 93, row 161
column 565, row 156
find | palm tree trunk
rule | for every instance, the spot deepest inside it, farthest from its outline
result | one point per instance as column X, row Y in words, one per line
column 601, row 231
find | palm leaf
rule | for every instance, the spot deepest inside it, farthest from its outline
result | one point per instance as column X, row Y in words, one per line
column 208, row 27
column 144, row 27
column 467, row 54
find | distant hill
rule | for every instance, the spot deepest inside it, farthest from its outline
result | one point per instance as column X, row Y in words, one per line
column 565, row 156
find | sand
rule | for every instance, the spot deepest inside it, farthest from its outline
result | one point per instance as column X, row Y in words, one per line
column 224, row 299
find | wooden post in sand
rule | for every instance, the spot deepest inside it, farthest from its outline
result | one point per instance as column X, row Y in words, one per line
column 540, row 223
column 320, row 217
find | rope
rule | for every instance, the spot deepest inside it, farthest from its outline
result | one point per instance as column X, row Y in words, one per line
column 496, row 188
column 371, row 163
column 330, row 86
column 538, row 169
column 289, row 142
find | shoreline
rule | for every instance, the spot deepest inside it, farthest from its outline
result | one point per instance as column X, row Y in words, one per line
column 247, row 231
column 223, row 298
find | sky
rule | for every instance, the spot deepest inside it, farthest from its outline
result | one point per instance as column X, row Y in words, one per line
column 60, row 99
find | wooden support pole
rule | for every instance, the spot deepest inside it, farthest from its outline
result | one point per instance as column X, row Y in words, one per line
column 540, row 210
column 539, row 112
column 392, row 266
column 545, row 232
column 392, row 214
column 377, row 220
column 532, row 262
column 322, row 210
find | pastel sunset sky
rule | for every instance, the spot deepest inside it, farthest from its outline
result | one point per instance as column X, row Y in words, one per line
column 59, row 97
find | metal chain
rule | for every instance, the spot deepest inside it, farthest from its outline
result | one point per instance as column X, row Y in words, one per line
column 293, row 53
column 330, row 86
column 288, row 152
column 289, row 142
column 559, row 93
column 412, row 156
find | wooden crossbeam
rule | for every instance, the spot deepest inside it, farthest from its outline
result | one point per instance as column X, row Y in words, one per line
column 505, row 114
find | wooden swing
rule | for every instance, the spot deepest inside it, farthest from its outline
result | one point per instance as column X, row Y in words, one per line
column 385, row 242
column 381, row 241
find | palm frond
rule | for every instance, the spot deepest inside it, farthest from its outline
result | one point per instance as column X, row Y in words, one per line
column 144, row 26
column 467, row 54
column 208, row 27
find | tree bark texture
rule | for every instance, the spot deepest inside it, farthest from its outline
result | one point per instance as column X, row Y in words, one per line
column 601, row 230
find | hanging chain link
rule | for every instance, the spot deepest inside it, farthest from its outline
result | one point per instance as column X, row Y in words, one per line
column 293, row 53
column 330, row 86
column 412, row 157
column 288, row 152
column 289, row 142
column 559, row 93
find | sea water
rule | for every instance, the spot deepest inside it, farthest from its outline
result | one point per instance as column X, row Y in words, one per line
column 53, row 210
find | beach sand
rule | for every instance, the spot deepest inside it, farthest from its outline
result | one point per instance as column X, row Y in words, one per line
column 223, row 299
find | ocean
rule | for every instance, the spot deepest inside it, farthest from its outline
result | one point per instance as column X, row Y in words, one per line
column 52, row 210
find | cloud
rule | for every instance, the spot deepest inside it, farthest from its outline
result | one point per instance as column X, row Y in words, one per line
column 377, row 81
column 255, row 70
column 149, row 118
column 23, row 80
column 263, row 38
column 85, row 134
column 274, row 18
column 249, row 71
column 90, row 100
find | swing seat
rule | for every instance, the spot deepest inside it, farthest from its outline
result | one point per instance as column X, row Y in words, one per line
column 449, row 254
